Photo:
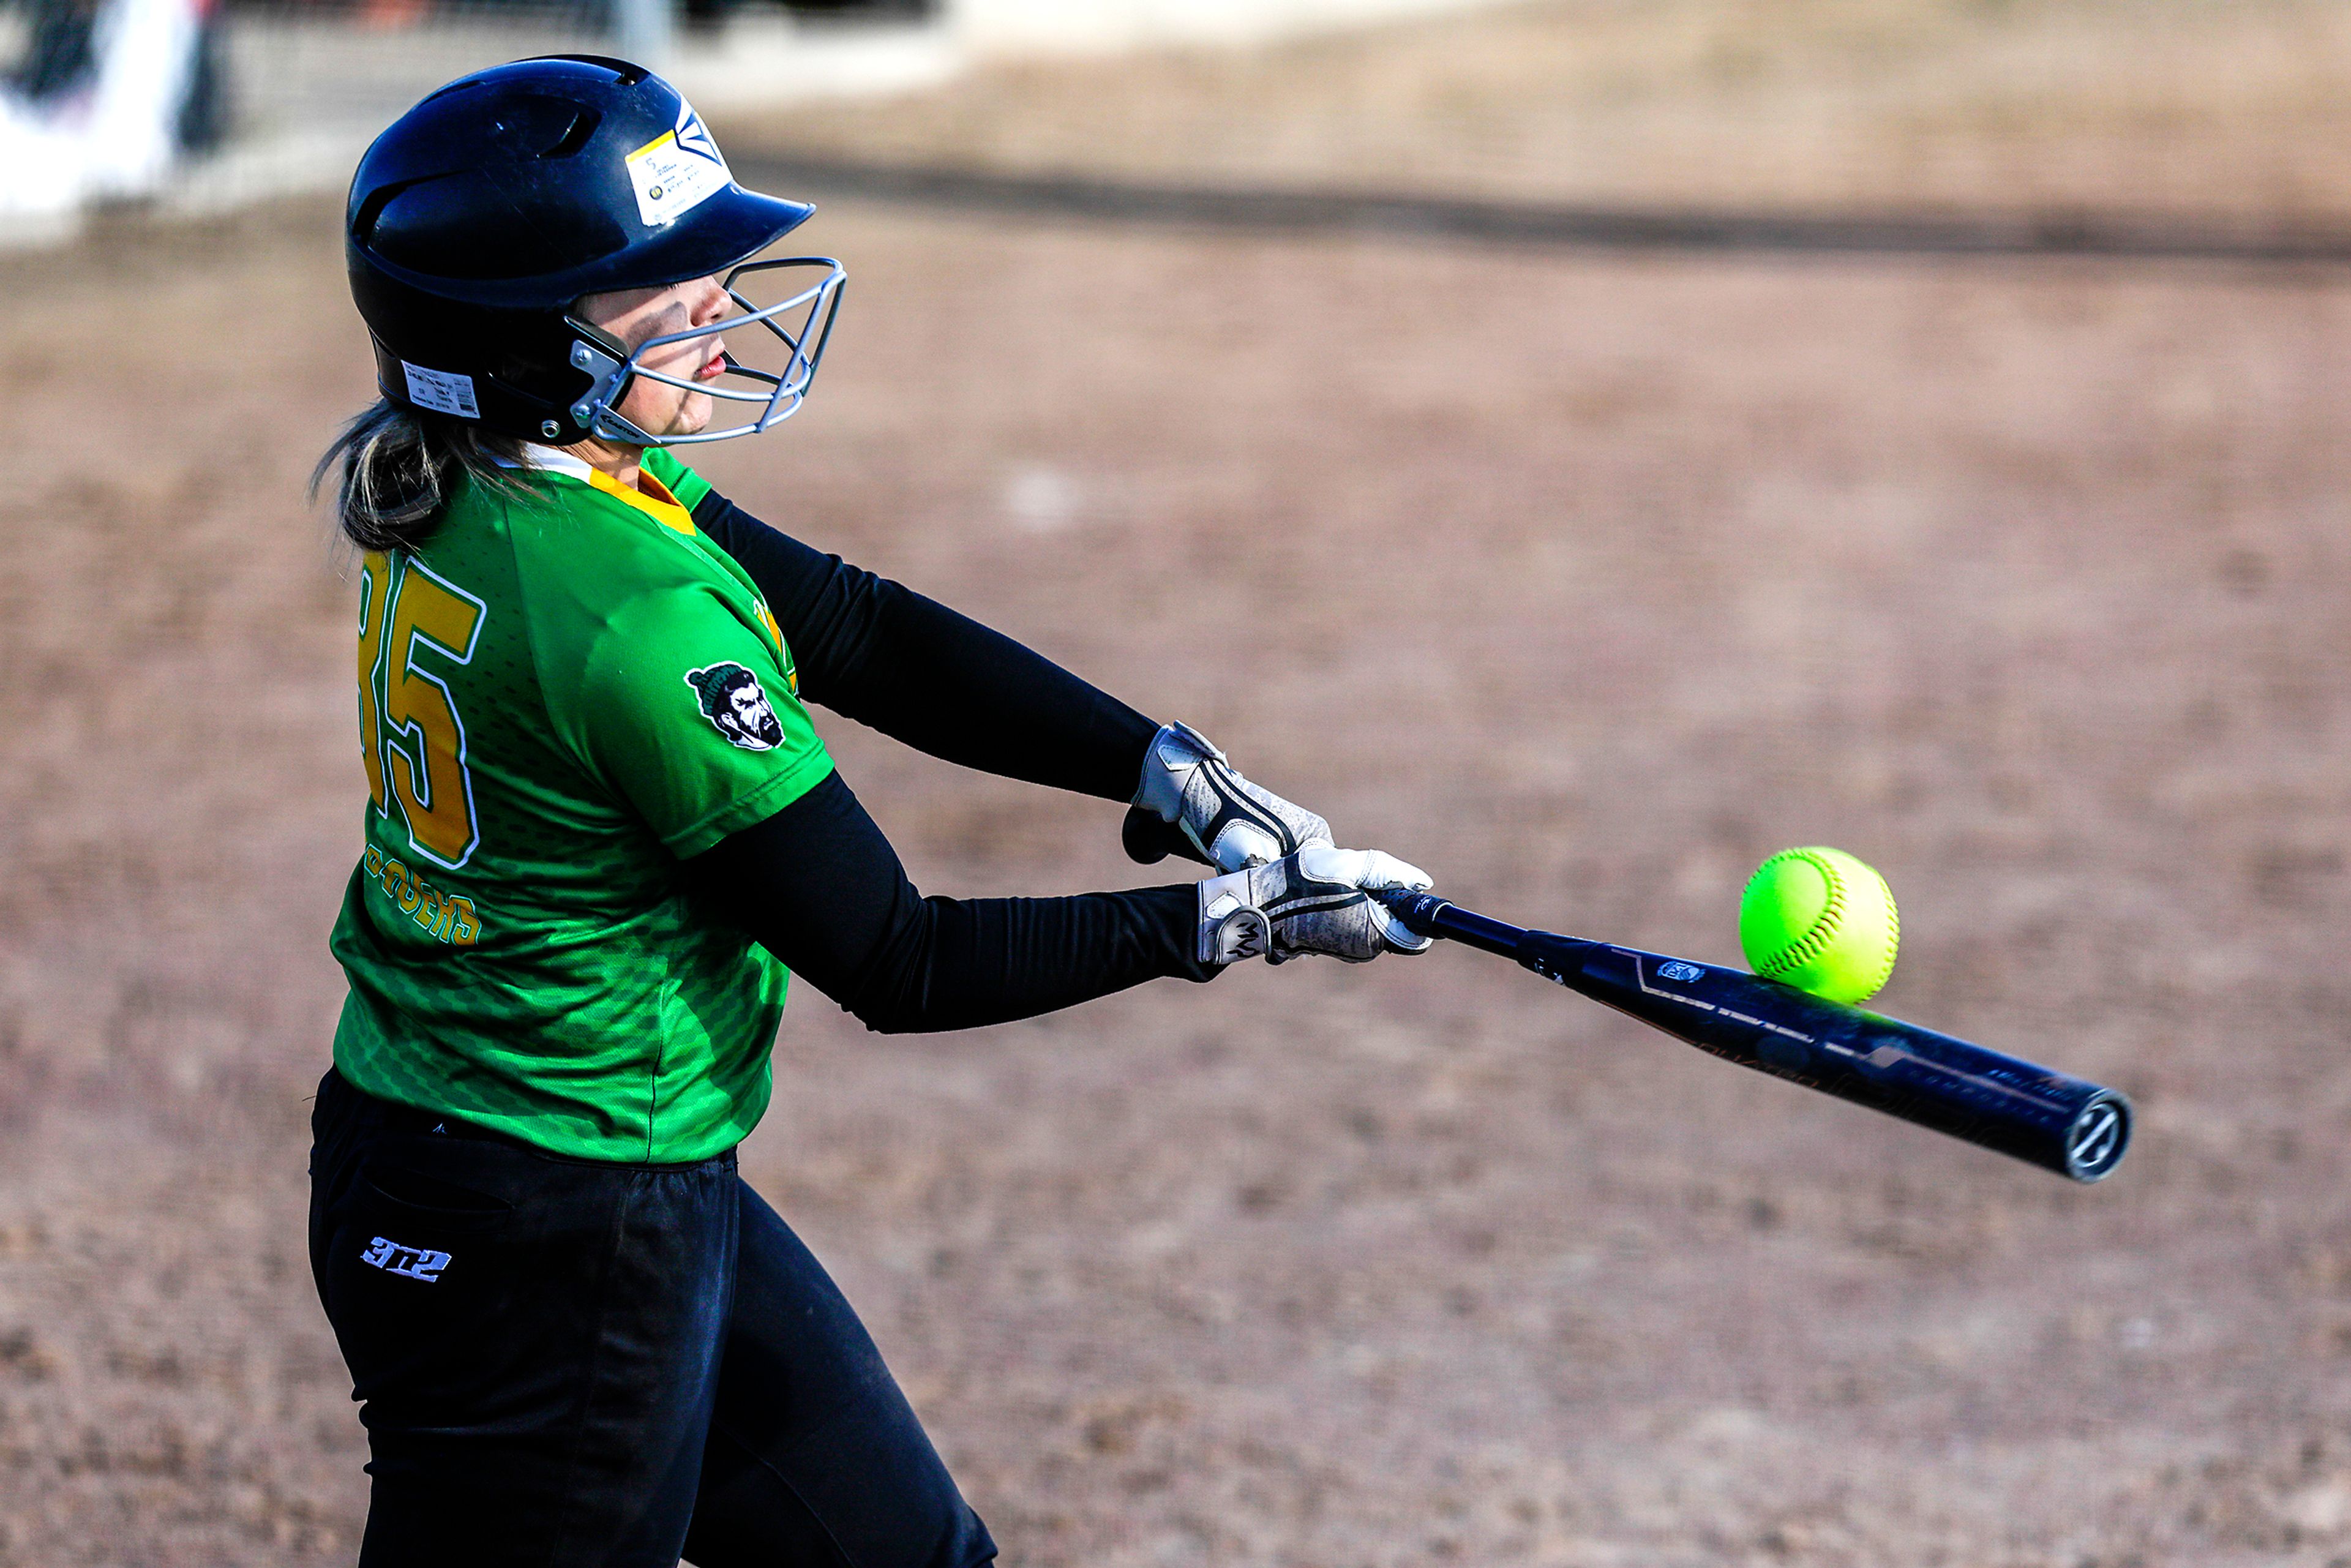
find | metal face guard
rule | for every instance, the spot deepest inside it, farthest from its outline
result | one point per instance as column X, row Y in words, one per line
column 811, row 311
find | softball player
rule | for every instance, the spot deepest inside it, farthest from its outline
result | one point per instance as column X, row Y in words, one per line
column 602, row 832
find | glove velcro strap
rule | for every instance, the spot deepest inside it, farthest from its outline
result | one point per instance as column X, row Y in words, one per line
column 1231, row 930
column 1173, row 753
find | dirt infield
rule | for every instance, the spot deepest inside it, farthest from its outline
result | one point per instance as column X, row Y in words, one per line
column 1586, row 582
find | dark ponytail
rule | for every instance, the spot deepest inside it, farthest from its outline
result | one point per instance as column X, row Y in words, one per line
column 399, row 466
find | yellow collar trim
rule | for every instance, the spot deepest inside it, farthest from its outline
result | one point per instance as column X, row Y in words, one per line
column 653, row 499
column 648, row 495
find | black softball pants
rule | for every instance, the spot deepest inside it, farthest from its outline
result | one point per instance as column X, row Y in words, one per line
column 566, row 1363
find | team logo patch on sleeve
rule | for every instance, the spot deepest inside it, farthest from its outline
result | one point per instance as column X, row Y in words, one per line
column 731, row 699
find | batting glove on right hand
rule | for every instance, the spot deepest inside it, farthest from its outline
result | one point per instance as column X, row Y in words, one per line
column 1311, row 902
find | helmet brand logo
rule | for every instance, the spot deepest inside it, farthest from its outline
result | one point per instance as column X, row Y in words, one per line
column 694, row 137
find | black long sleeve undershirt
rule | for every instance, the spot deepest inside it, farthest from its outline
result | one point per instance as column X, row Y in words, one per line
column 887, row 656
column 820, row 887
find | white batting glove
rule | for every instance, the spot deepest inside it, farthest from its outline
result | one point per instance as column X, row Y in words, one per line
column 1311, row 902
column 1229, row 821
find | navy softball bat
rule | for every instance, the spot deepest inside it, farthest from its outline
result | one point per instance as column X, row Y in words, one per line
column 2060, row 1123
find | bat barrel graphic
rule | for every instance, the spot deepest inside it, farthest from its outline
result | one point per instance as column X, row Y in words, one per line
column 2050, row 1119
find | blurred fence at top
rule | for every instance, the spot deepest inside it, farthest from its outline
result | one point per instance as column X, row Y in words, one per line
column 200, row 105
column 226, row 101
column 314, row 79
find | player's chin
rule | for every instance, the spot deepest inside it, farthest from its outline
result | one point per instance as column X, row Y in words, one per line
column 692, row 416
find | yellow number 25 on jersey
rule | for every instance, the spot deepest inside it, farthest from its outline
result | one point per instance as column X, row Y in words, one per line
column 409, row 728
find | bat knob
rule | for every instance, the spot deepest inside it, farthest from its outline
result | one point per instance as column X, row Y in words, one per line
column 2098, row 1137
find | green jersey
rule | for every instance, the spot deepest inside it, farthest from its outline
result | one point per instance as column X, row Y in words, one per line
column 561, row 694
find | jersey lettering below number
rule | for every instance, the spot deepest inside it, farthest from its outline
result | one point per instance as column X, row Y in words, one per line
column 409, row 727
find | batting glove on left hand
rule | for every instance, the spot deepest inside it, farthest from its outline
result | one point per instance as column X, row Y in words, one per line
column 1226, row 821
column 1312, row 901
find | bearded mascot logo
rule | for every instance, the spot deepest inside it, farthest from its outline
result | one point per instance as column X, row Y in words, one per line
column 731, row 699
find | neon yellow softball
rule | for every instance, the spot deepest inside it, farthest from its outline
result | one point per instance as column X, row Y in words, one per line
column 1821, row 921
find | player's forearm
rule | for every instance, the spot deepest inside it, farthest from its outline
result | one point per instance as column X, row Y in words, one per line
column 962, row 963
column 820, row 887
column 920, row 673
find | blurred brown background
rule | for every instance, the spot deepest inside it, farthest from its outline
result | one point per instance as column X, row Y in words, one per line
column 1585, row 580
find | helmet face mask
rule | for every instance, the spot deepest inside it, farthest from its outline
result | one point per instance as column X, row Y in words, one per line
column 802, row 322
column 481, row 218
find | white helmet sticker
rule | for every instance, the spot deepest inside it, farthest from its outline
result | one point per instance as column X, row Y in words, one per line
column 677, row 170
column 443, row 392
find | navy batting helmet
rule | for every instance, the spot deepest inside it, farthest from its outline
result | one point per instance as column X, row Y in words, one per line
column 482, row 216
